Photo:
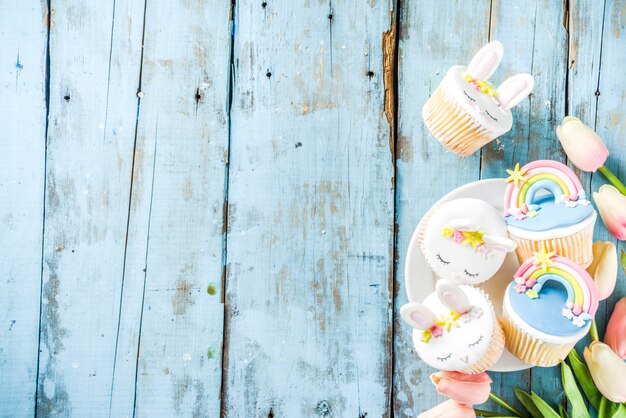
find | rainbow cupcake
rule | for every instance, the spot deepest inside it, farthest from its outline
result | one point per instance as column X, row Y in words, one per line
column 545, row 206
column 547, row 308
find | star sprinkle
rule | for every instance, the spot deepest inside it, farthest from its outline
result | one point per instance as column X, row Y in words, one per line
column 543, row 258
column 426, row 335
column 447, row 231
column 473, row 238
column 516, row 175
column 532, row 294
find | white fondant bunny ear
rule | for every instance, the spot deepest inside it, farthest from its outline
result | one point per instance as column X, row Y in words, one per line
column 464, row 224
column 486, row 61
column 515, row 89
column 452, row 296
column 418, row 316
column 499, row 243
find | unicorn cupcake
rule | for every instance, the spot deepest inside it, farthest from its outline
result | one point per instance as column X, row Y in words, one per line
column 466, row 112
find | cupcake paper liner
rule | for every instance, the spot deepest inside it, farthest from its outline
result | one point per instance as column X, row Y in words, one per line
column 452, row 126
column 532, row 350
column 577, row 246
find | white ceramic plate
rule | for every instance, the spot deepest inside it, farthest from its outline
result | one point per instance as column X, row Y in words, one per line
column 420, row 279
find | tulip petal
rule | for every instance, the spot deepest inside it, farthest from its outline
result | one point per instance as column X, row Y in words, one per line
column 583, row 146
column 615, row 336
column 612, row 207
column 603, row 268
column 449, row 409
column 607, row 371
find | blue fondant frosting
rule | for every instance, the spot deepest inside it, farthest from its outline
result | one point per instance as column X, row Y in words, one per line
column 551, row 214
column 545, row 312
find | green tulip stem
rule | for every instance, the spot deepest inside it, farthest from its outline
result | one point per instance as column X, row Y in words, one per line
column 613, row 179
column 504, row 405
column 593, row 331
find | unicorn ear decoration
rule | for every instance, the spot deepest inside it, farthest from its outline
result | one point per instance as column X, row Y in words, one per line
column 514, row 90
column 465, row 240
column 455, row 328
column 486, row 61
column 466, row 111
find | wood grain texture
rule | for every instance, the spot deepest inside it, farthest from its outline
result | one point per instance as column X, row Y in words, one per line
column 434, row 35
column 535, row 41
column 89, row 154
column 310, row 213
column 173, row 302
column 22, row 152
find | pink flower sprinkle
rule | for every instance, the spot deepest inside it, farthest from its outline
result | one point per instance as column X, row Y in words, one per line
column 520, row 288
column 436, row 331
column 458, row 236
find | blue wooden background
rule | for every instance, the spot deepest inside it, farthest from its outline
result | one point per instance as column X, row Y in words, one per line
column 205, row 206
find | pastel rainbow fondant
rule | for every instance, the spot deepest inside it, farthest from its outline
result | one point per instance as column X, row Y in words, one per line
column 581, row 303
column 520, row 199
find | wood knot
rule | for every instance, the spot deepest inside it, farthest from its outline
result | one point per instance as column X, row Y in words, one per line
column 370, row 73
column 268, row 74
column 66, row 97
column 264, row 4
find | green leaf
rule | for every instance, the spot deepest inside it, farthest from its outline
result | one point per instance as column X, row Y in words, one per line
column 621, row 411
column 543, row 406
column 602, row 408
column 579, row 409
column 584, row 379
column 489, row 414
column 623, row 258
column 505, row 405
column 563, row 412
column 525, row 399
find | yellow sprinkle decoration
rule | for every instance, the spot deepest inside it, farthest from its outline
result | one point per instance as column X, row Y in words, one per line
column 516, row 175
column 447, row 232
column 473, row 238
column 543, row 258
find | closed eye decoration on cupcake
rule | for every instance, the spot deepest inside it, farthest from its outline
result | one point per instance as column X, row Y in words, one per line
column 466, row 112
column 465, row 240
column 455, row 328
column 545, row 205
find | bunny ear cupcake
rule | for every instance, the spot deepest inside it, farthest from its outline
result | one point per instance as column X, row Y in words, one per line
column 466, row 112
column 545, row 205
column 455, row 328
column 464, row 240
column 548, row 308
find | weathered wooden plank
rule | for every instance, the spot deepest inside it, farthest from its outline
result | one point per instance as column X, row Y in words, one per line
column 610, row 121
column 22, row 152
column 434, row 35
column 174, row 306
column 310, row 212
column 535, row 41
column 94, row 66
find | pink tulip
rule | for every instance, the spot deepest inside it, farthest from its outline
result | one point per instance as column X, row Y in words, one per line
column 615, row 336
column 612, row 207
column 583, row 146
column 470, row 389
column 449, row 409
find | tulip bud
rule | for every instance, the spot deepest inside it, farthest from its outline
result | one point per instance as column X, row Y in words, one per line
column 470, row 389
column 615, row 336
column 583, row 147
column 612, row 207
column 603, row 268
column 449, row 409
column 607, row 371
